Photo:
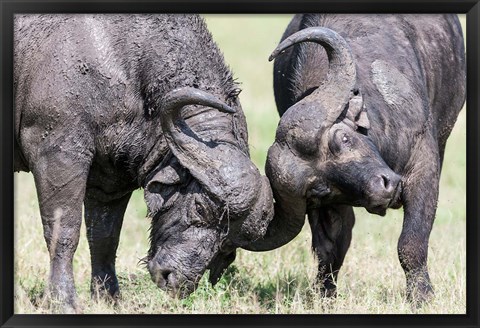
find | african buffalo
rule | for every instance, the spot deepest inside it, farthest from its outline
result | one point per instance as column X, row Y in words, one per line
column 367, row 103
column 105, row 104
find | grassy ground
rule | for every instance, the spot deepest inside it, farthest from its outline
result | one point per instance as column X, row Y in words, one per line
column 370, row 281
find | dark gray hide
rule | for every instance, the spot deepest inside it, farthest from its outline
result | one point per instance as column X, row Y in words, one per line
column 367, row 103
column 105, row 104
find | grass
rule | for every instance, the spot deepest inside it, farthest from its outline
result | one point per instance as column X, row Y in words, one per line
column 370, row 281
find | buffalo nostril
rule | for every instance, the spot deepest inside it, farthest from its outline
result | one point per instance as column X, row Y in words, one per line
column 386, row 182
column 164, row 273
column 160, row 275
column 382, row 184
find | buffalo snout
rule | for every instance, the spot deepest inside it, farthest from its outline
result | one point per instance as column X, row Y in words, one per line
column 384, row 184
column 384, row 190
column 169, row 280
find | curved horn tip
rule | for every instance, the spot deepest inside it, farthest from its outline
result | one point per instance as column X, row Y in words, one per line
column 220, row 105
column 228, row 109
column 275, row 53
column 189, row 95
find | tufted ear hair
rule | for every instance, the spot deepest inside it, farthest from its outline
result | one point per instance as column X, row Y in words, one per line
column 357, row 113
column 172, row 174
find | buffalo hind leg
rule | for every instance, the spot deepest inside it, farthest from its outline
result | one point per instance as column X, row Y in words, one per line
column 103, row 222
column 60, row 179
column 420, row 195
column 331, row 235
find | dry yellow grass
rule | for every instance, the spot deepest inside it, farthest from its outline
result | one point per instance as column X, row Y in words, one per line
column 370, row 281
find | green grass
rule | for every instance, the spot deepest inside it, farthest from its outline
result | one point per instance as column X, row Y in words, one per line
column 370, row 281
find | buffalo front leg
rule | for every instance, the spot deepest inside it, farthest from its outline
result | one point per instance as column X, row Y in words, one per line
column 103, row 221
column 331, row 236
column 420, row 195
column 60, row 179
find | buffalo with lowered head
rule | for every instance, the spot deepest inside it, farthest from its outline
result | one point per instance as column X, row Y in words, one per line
column 105, row 104
column 367, row 103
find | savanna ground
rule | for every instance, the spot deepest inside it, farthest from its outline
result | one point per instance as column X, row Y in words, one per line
column 280, row 281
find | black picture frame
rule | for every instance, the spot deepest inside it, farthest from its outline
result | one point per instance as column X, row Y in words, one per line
column 9, row 8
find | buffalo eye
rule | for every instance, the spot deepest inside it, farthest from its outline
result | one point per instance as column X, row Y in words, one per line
column 200, row 209
column 341, row 141
column 347, row 142
column 198, row 214
column 197, row 222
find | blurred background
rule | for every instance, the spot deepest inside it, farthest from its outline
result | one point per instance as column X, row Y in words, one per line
column 280, row 281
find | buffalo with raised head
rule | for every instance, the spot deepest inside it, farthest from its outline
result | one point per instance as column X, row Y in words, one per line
column 367, row 103
column 105, row 104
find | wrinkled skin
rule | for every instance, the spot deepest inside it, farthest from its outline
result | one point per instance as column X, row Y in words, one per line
column 105, row 104
column 367, row 103
column 181, row 250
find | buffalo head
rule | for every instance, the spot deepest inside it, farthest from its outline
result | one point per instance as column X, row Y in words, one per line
column 322, row 152
column 205, row 199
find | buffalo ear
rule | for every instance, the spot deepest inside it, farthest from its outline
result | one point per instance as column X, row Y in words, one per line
column 170, row 175
column 357, row 113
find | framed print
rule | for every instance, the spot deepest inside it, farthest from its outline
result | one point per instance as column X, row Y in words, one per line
column 257, row 163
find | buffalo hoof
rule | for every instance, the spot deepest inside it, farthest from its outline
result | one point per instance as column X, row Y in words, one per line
column 320, row 294
column 325, row 291
column 325, row 286
column 65, row 304
column 65, row 309
column 419, row 293
column 329, row 292
column 105, row 288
